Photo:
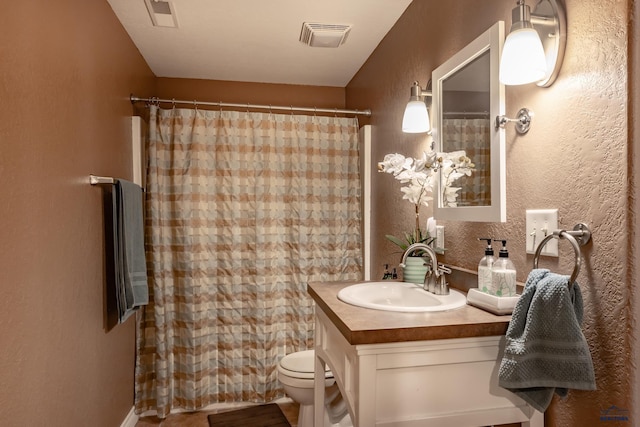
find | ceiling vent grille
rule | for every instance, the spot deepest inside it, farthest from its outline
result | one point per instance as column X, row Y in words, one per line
column 324, row 35
column 161, row 13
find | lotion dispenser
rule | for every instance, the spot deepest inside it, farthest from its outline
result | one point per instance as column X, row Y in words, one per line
column 485, row 266
column 503, row 274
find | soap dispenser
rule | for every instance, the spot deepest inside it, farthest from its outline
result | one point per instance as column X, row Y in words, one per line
column 485, row 266
column 503, row 274
column 386, row 275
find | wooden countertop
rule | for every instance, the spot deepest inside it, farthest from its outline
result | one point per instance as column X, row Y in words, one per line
column 367, row 326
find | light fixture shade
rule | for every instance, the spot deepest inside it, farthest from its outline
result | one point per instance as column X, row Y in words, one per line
column 523, row 59
column 416, row 117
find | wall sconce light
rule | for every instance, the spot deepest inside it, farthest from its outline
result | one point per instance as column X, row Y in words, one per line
column 416, row 117
column 522, row 121
column 534, row 48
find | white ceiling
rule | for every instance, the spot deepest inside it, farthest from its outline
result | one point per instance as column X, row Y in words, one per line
column 257, row 40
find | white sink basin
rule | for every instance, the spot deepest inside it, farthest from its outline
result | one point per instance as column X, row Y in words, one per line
column 400, row 296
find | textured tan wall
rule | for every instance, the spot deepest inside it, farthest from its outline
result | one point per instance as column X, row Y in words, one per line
column 66, row 69
column 634, row 221
column 575, row 158
column 253, row 93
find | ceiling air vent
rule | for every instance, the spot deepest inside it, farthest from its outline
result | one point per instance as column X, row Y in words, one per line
column 324, row 35
column 161, row 13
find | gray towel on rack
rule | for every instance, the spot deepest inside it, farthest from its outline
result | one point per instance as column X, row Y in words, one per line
column 131, row 268
column 545, row 349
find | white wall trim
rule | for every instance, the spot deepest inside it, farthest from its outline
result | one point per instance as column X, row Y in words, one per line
column 138, row 156
column 365, row 181
column 131, row 419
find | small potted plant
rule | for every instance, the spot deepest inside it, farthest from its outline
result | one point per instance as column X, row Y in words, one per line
column 418, row 178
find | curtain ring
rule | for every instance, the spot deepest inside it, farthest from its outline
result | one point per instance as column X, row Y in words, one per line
column 195, row 104
column 173, row 103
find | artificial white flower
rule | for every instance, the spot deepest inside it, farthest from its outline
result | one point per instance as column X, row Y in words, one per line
column 418, row 178
column 426, row 162
column 451, row 196
column 395, row 163
column 418, row 175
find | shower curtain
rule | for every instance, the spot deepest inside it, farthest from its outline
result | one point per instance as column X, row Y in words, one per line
column 243, row 210
column 473, row 136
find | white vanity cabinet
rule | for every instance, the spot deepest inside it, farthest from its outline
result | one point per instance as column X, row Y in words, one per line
column 435, row 382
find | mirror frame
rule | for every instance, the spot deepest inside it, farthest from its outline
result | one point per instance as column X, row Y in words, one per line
column 491, row 40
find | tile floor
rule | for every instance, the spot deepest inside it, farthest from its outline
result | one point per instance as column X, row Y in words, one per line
column 199, row 419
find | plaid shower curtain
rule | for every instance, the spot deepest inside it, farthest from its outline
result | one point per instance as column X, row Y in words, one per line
column 242, row 211
column 473, row 136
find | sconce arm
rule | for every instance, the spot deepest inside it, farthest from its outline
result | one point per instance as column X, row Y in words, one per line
column 417, row 92
column 522, row 121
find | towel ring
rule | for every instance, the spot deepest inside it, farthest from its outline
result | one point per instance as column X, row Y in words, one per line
column 578, row 237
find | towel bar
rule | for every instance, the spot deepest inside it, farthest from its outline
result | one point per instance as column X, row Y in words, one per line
column 96, row 180
column 107, row 180
column 579, row 236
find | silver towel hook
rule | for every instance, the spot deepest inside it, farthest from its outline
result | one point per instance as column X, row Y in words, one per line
column 580, row 236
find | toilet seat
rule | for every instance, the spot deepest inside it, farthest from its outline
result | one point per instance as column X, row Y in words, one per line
column 301, row 365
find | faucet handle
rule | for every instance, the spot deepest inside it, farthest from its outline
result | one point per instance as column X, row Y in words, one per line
column 443, row 269
column 442, row 287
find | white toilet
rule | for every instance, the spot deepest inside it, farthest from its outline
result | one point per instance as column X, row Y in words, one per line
column 295, row 373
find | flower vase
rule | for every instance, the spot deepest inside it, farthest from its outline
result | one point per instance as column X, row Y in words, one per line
column 415, row 269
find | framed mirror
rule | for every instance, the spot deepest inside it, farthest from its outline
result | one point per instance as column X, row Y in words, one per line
column 467, row 96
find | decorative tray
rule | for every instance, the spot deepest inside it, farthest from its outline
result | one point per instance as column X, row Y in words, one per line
column 492, row 303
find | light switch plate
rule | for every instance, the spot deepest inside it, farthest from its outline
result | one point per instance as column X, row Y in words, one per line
column 539, row 224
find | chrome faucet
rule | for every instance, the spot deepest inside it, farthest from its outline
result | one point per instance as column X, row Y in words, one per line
column 434, row 279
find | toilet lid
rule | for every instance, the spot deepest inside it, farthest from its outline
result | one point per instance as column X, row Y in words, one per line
column 301, row 361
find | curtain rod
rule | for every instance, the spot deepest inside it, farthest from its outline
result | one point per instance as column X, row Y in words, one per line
column 135, row 99
column 466, row 113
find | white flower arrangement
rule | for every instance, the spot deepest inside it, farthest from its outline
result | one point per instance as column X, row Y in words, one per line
column 418, row 177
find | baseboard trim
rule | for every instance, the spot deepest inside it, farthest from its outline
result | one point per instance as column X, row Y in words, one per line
column 131, row 419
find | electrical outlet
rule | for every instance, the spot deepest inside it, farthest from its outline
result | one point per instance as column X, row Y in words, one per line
column 539, row 224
